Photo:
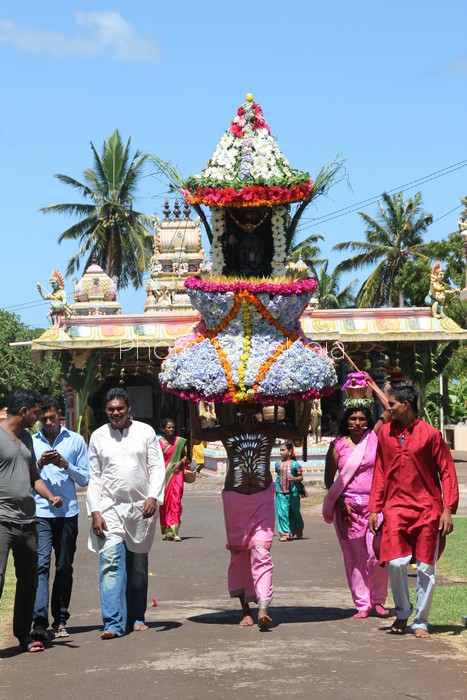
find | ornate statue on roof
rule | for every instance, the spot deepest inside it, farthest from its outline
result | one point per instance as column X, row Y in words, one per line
column 58, row 298
column 439, row 290
column 249, row 346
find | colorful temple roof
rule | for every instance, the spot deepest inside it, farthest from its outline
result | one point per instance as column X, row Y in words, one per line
column 160, row 330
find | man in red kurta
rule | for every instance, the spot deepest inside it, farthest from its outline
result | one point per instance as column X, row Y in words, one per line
column 415, row 486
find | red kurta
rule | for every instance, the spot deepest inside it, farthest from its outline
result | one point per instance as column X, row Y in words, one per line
column 412, row 484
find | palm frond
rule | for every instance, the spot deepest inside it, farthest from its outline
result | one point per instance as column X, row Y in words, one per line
column 169, row 171
column 71, row 209
column 328, row 176
column 84, row 189
column 309, row 240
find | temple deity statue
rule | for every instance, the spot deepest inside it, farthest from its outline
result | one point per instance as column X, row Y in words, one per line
column 439, row 290
column 165, row 298
column 57, row 297
column 153, row 290
column 315, row 420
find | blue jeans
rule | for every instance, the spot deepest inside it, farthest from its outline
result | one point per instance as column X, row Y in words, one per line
column 59, row 535
column 123, row 584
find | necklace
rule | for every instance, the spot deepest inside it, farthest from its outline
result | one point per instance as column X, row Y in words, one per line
column 350, row 441
column 250, row 227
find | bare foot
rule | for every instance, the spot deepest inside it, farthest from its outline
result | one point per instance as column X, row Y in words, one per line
column 246, row 621
column 108, row 634
column 140, row 627
column 381, row 611
column 398, row 626
column 177, row 538
column 421, row 633
column 361, row 614
column 264, row 621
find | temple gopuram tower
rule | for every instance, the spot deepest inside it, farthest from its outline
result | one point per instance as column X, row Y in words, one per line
column 178, row 253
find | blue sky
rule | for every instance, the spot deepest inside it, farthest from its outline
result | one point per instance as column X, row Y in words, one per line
column 382, row 84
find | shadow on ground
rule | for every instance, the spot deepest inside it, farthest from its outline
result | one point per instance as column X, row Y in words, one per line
column 72, row 641
column 290, row 615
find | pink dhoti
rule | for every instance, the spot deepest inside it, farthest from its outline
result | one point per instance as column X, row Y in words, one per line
column 249, row 524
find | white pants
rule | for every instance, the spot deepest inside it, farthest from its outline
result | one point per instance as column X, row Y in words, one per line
column 426, row 576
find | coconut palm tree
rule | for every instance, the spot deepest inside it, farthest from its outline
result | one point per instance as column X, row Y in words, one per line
column 109, row 230
column 394, row 237
column 309, row 251
column 328, row 293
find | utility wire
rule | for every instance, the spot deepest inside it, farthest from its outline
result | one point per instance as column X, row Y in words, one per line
column 373, row 200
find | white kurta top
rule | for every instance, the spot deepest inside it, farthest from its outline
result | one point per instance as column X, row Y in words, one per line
column 126, row 468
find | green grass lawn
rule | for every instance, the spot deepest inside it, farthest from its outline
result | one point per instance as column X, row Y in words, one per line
column 450, row 600
column 6, row 603
column 453, row 563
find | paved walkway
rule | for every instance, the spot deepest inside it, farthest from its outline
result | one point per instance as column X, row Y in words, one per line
column 195, row 648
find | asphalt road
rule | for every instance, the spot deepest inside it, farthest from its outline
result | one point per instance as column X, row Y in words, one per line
column 195, row 648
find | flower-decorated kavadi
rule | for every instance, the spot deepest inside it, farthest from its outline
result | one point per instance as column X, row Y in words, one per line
column 249, row 345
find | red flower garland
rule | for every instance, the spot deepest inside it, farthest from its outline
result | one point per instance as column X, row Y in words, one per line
column 286, row 288
column 250, row 196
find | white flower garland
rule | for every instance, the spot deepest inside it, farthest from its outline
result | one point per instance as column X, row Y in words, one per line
column 217, row 228
column 278, row 219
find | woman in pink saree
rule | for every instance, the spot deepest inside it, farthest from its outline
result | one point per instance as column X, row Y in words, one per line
column 173, row 449
column 351, row 457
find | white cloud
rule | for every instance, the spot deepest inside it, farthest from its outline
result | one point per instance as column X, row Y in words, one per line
column 101, row 32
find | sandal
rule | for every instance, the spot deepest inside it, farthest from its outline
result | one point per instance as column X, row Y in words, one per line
column 32, row 646
column 398, row 627
column 60, row 631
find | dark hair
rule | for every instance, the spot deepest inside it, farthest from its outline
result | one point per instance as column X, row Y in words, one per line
column 48, row 402
column 343, row 426
column 405, row 392
column 21, row 398
column 165, row 421
column 117, row 392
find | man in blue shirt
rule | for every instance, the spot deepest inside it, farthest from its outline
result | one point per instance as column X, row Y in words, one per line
column 62, row 460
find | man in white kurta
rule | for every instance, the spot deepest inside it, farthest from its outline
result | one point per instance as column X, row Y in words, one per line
column 126, row 483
